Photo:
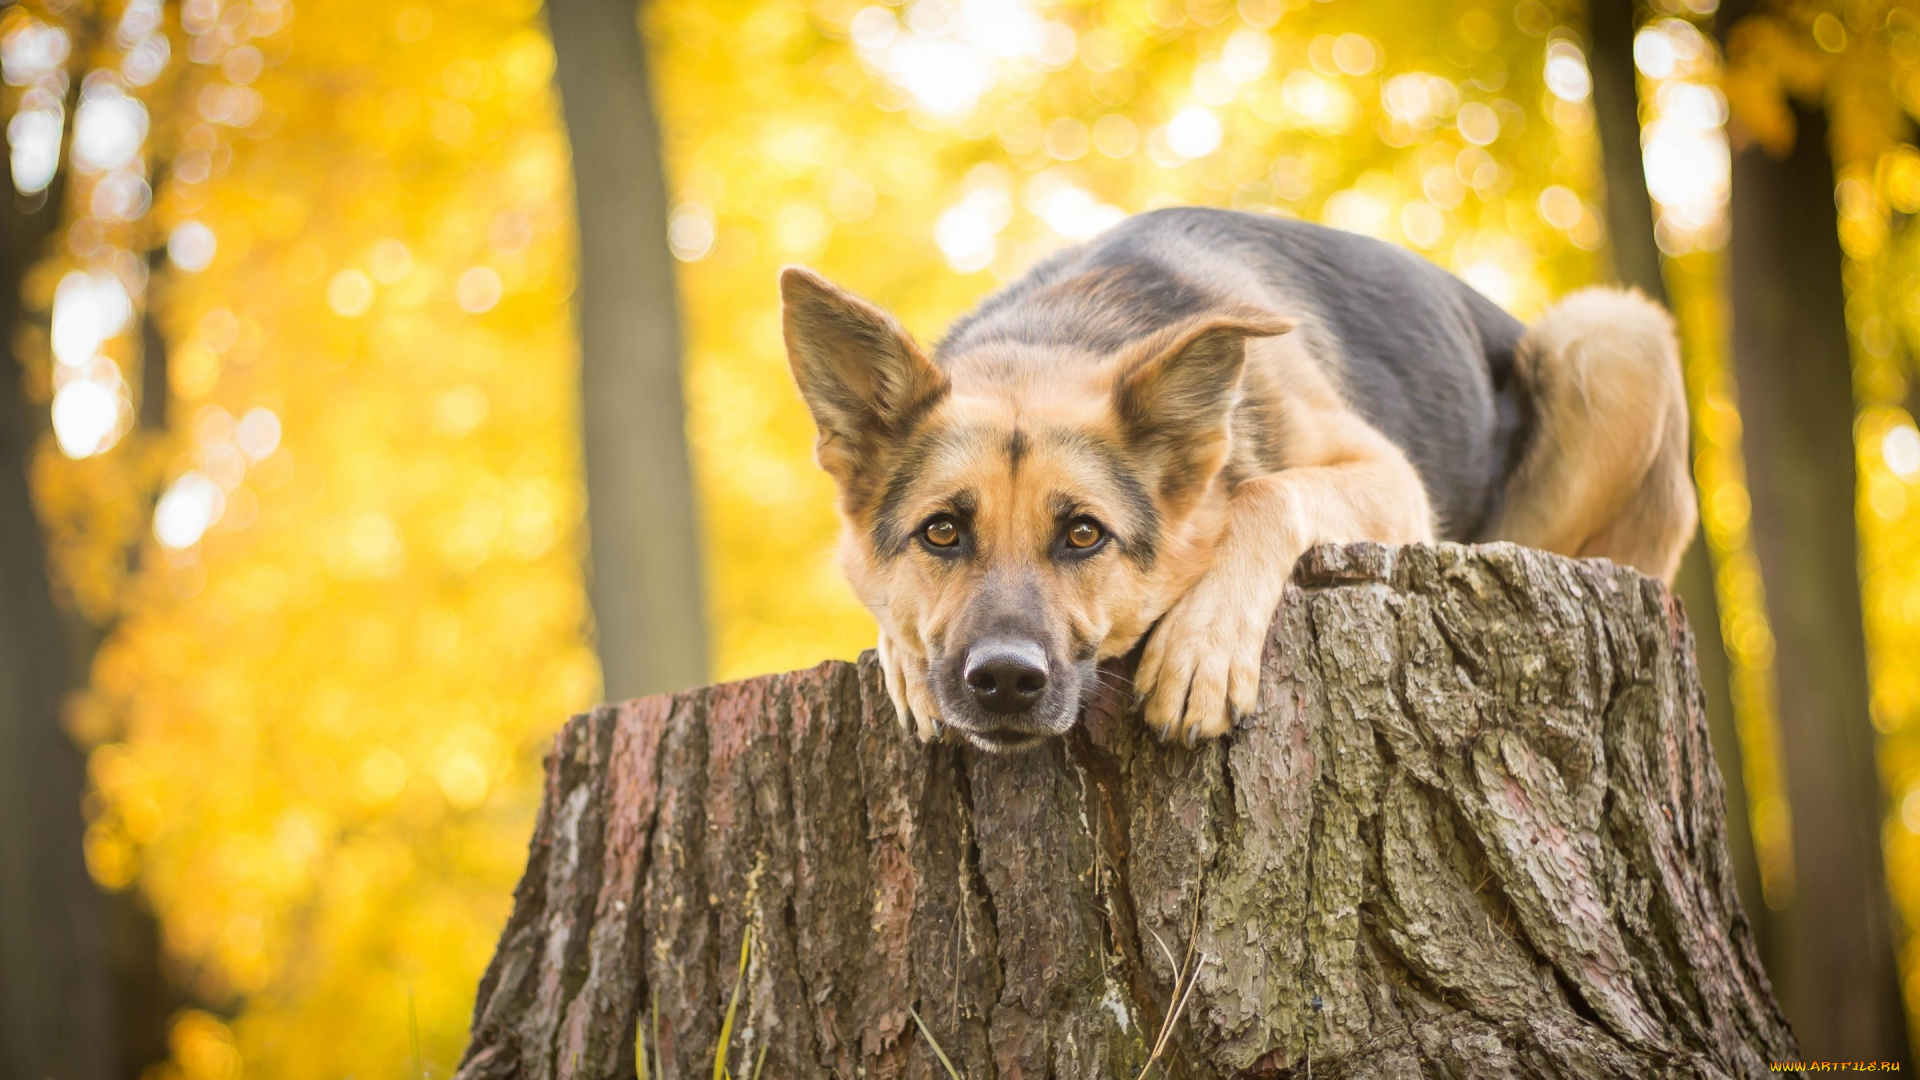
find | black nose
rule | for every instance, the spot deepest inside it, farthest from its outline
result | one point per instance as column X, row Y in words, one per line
column 1007, row 677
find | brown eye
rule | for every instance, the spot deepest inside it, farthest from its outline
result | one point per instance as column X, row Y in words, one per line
column 1083, row 534
column 941, row 533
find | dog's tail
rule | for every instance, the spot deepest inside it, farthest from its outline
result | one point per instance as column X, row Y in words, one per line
column 1604, row 470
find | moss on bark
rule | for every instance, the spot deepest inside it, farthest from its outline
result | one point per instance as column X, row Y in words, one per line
column 1473, row 829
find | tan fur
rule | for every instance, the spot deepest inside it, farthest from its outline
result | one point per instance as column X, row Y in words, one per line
column 1008, row 440
column 1112, row 608
column 1605, row 474
column 1344, row 481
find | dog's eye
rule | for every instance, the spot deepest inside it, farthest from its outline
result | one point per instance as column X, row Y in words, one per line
column 1083, row 534
column 941, row 532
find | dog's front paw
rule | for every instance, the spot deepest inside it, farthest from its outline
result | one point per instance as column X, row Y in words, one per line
column 905, row 670
column 1201, row 666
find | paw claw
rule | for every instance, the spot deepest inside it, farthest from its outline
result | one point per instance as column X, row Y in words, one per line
column 905, row 676
column 1200, row 669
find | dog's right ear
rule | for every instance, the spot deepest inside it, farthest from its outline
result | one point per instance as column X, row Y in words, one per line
column 862, row 376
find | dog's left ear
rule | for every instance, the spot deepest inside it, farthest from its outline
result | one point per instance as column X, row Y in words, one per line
column 1178, row 383
column 862, row 376
column 1174, row 390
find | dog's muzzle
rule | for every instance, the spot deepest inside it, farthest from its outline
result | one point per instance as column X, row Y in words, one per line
column 1012, row 699
column 1006, row 677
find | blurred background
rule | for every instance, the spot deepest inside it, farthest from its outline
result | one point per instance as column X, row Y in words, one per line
column 385, row 381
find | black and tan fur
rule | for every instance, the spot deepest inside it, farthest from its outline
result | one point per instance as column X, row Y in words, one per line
column 1208, row 394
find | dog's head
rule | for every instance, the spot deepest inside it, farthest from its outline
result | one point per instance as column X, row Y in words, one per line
column 1014, row 521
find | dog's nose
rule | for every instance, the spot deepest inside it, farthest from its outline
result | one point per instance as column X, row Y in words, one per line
column 1007, row 677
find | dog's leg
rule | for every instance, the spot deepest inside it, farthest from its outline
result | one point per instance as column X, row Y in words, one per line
column 905, row 671
column 1201, row 666
column 1605, row 471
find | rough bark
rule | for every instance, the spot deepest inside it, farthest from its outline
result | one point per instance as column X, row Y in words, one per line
column 1611, row 25
column 645, row 583
column 1473, row 828
column 1835, row 953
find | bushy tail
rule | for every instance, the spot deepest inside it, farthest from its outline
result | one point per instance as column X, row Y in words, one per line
column 1604, row 472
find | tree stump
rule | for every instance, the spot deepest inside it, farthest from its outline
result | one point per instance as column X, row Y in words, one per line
column 1474, row 829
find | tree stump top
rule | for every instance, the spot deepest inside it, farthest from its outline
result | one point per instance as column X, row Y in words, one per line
column 1472, row 829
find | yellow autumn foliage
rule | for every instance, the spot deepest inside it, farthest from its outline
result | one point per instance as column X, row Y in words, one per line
column 1861, row 62
column 318, row 726
column 1883, row 302
column 322, row 721
column 795, row 135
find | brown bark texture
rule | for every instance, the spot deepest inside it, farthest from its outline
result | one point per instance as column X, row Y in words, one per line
column 1473, row 829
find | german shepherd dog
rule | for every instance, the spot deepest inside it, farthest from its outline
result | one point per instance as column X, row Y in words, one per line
column 1143, row 434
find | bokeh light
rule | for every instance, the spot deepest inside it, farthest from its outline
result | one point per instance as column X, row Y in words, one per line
column 340, row 571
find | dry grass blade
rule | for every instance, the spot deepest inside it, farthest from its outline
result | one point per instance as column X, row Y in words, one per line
column 935, row 1043
column 1178, row 1001
column 1172, row 964
column 1173, row 1017
column 640, row 1069
column 733, row 1009
column 762, row 1062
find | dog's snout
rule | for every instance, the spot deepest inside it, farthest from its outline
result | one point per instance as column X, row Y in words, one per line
column 1006, row 677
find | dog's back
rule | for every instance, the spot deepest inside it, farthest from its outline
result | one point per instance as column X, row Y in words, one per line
column 1416, row 351
column 1134, row 444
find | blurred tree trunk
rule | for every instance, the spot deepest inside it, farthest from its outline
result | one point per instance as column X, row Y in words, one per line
column 1616, row 111
column 640, row 506
column 55, row 994
column 1636, row 262
column 1471, row 830
column 1836, row 963
column 153, row 344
